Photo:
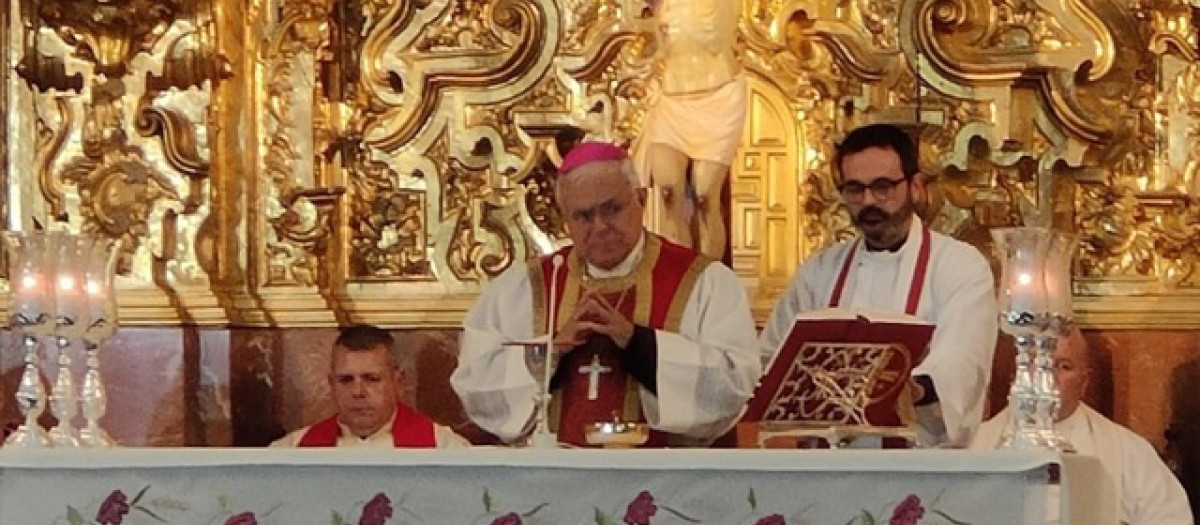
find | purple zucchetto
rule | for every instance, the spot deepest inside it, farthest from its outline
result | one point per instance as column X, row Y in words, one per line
column 588, row 152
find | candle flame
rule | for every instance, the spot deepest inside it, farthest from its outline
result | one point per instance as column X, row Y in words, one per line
column 66, row 282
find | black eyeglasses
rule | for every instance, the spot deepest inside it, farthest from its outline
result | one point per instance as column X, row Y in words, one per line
column 881, row 188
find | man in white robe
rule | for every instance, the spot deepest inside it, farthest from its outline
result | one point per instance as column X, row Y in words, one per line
column 646, row 330
column 884, row 269
column 365, row 380
column 1149, row 493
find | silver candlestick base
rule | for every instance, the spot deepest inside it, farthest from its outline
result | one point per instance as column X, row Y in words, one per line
column 1049, row 397
column 539, row 359
column 1022, row 395
column 95, row 402
column 543, row 440
column 63, row 402
column 541, row 437
column 31, row 398
column 1022, row 401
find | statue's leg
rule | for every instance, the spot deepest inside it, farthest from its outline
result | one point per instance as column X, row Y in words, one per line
column 708, row 178
column 668, row 171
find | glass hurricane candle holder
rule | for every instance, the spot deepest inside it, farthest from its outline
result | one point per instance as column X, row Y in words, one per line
column 31, row 312
column 1021, row 299
column 101, row 302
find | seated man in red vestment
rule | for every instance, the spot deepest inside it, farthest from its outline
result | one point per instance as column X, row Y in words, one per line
column 647, row 330
column 365, row 379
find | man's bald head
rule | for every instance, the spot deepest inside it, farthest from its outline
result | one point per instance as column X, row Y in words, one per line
column 1073, row 370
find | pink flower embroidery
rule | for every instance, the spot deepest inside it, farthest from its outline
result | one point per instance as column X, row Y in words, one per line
column 377, row 511
column 512, row 518
column 774, row 519
column 245, row 518
column 114, row 509
column 908, row 512
column 641, row 509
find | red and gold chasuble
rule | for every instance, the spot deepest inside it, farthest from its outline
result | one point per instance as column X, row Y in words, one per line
column 653, row 295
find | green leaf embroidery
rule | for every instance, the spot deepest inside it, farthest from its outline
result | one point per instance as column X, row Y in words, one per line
column 487, row 501
column 949, row 519
column 753, row 499
column 138, row 498
column 601, row 518
column 534, row 510
column 223, row 502
column 74, row 517
column 148, row 513
column 680, row 515
column 867, row 518
column 270, row 510
column 337, row 519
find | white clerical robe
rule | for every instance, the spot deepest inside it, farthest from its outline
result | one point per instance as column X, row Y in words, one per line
column 705, row 372
column 958, row 298
column 382, row 438
column 1149, row 493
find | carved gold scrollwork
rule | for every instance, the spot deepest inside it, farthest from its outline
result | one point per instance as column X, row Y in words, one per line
column 49, row 145
column 1173, row 29
column 409, row 146
column 389, row 241
column 190, row 61
column 1138, row 221
column 304, row 229
column 298, row 212
column 397, row 126
column 387, row 225
column 120, row 191
column 119, row 91
column 588, row 21
column 989, row 43
column 109, row 33
column 464, row 28
column 178, row 138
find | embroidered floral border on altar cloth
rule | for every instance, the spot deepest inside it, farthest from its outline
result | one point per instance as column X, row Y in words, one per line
column 768, row 488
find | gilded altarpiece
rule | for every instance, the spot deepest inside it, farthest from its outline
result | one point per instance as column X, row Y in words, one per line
column 318, row 162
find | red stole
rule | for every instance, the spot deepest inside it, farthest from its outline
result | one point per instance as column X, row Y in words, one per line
column 914, row 286
column 912, row 301
column 653, row 295
column 410, row 429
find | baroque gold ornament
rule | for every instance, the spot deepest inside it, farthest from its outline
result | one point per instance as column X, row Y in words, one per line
column 313, row 162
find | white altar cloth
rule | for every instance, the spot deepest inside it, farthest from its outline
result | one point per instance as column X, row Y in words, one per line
column 486, row 486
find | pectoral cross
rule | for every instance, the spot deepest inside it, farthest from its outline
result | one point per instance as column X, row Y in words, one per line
column 593, row 371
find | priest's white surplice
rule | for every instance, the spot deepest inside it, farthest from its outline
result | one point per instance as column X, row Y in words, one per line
column 705, row 372
column 958, row 298
column 1149, row 493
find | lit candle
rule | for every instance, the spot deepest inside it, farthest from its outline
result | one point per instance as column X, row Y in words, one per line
column 1022, row 283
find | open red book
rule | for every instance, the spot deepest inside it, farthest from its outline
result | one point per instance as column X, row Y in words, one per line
column 843, row 368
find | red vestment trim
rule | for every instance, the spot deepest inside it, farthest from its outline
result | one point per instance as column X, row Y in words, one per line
column 410, row 429
column 914, row 286
column 653, row 295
